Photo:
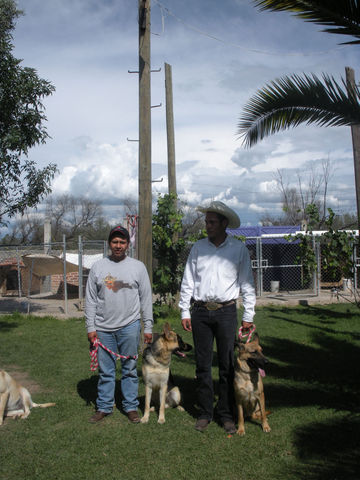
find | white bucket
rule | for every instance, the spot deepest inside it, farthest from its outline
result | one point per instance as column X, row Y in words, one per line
column 347, row 284
column 274, row 286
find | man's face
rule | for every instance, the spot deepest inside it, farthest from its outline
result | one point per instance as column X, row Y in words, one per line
column 118, row 247
column 215, row 228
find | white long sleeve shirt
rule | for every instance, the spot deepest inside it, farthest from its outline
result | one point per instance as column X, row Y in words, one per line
column 218, row 274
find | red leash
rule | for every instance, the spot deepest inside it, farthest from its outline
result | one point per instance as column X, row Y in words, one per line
column 249, row 334
column 94, row 347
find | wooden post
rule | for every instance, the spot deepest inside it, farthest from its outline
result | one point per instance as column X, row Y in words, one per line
column 170, row 130
column 145, row 197
column 355, row 134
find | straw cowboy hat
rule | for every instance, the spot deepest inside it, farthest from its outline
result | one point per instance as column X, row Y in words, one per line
column 220, row 207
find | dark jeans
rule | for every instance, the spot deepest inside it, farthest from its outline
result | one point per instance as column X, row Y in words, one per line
column 222, row 325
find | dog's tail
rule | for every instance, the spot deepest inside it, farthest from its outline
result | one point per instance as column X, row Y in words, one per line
column 43, row 405
column 257, row 414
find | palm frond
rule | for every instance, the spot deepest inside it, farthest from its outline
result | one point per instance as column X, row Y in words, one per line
column 343, row 16
column 289, row 101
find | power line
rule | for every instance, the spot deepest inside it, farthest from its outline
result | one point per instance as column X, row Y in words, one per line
column 225, row 42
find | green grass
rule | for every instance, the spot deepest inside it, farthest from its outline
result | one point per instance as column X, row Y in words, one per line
column 311, row 387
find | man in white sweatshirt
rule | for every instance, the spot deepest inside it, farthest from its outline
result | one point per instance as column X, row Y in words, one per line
column 118, row 293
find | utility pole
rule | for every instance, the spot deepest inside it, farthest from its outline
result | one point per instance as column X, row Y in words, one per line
column 355, row 134
column 170, row 130
column 145, row 198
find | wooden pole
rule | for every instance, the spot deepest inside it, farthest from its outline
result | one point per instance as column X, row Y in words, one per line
column 170, row 130
column 355, row 134
column 145, row 198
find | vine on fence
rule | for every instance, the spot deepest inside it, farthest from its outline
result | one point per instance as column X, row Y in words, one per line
column 336, row 248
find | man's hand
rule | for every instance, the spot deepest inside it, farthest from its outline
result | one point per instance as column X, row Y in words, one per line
column 246, row 325
column 92, row 336
column 186, row 323
column 147, row 337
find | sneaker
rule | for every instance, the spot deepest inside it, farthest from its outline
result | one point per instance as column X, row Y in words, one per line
column 98, row 417
column 229, row 426
column 133, row 416
column 201, row 424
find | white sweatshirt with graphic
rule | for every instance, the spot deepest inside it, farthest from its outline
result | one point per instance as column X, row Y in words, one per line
column 117, row 294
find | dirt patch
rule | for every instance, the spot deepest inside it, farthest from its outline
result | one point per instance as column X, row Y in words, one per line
column 23, row 378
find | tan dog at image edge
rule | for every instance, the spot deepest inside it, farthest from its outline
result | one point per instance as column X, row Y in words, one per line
column 248, row 384
column 15, row 400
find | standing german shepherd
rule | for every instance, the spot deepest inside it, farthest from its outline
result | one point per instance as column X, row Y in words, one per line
column 248, row 385
column 156, row 371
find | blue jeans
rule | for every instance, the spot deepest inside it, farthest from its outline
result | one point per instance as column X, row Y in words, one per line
column 124, row 341
column 220, row 325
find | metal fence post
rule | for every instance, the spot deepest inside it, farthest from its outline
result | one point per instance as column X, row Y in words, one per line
column 259, row 277
column 29, row 286
column 65, row 283
column 355, row 265
column 18, row 272
column 317, row 273
column 80, row 274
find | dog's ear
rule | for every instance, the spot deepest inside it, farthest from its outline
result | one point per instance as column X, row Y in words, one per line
column 239, row 345
column 256, row 338
column 167, row 330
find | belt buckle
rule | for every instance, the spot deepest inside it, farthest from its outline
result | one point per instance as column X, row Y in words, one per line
column 212, row 306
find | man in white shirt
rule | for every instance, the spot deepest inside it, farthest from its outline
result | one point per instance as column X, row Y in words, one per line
column 217, row 271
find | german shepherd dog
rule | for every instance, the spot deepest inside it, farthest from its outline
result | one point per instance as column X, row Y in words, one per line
column 156, row 371
column 248, row 385
column 15, row 400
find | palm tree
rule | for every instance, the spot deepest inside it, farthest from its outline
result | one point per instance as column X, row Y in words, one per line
column 295, row 99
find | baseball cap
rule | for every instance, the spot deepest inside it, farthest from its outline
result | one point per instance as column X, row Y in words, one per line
column 119, row 231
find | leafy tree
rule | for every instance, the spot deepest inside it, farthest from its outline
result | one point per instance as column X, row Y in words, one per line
column 22, row 119
column 292, row 100
column 168, row 249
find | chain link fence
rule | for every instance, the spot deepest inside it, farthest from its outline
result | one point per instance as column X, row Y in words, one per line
column 59, row 271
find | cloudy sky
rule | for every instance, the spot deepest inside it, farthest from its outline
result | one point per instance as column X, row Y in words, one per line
column 221, row 52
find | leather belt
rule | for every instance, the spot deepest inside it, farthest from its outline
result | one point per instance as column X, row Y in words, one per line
column 213, row 305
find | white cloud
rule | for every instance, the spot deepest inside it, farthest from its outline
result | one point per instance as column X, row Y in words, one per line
column 86, row 48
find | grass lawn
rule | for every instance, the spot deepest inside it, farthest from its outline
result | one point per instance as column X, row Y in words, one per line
column 311, row 388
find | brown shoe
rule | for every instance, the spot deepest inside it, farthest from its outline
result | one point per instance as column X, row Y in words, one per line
column 133, row 416
column 201, row 424
column 98, row 417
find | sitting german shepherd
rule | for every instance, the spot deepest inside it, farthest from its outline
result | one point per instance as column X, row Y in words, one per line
column 156, row 371
column 15, row 400
column 248, row 385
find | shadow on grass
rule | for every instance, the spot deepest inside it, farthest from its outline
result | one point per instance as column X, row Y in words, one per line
column 325, row 317
column 329, row 450
column 331, row 372
column 87, row 390
column 7, row 326
column 323, row 312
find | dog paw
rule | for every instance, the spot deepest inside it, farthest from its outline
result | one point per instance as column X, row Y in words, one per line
column 161, row 420
column 240, row 432
column 266, row 428
column 144, row 419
